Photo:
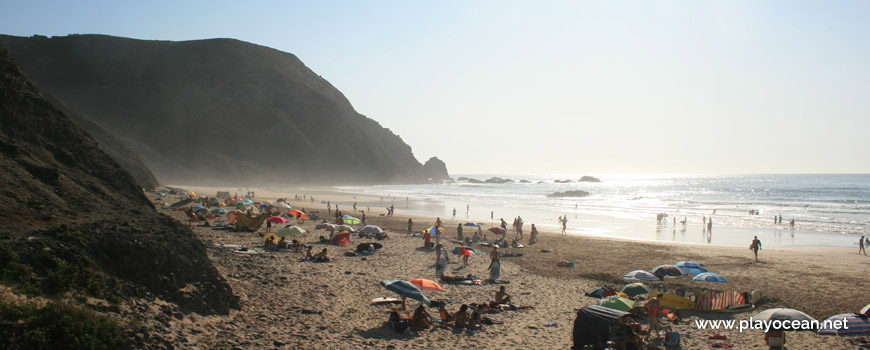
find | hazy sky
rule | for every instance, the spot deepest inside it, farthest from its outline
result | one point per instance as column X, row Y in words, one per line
column 556, row 86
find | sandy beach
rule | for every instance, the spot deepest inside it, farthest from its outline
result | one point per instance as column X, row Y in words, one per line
column 286, row 303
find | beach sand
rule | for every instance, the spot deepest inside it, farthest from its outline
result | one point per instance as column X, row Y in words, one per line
column 286, row 303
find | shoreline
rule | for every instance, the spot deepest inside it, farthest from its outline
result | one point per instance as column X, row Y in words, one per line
column 787, row 277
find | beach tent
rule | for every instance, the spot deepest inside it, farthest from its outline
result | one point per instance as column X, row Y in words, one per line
column 290, row 231
column 855, row 324
column 640, row 275
column 341, row 228
column 371, row 229
column 341, row 239
column 635, row 289
column 712, row 300
column 710, row 277
column 618, row 303
column 248, row 222
column 592, row 325
column 600, row 292
column 666, row 270
column 690, row 267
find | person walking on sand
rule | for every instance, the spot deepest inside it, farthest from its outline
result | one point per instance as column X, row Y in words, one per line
column 861, row 246
column 755, row 247
column 409, row 226
column 710, row 224
column 565, row 225
column 454, row 213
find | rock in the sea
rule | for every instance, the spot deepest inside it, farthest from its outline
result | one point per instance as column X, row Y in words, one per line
column 562, row 181
column 435, row 170
column 575, row 193
column 497, row 180
column 474, row 181
column 524, row 181
column 589, row 179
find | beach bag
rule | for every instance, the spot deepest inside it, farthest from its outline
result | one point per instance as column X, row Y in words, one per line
column 672, row 338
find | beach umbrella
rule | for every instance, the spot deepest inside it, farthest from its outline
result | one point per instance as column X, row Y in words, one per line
column 294, row 212
column 347, row 219
column 865, row 310
column 666, row 270
column 635, row 289
column 371, row 229
column 709, row 277
column 325, row 226
column 433, row 229
column 617, row 303
column 425, row 284
column 277, row 220
column 471, row 224
column 640, row 275
column 782, row 314
column 290, row 231
column 597, row 292
column 284, row 205
column 344, row 228
column 247, row 202
column 198, row 208
column 690, row 267
column 847, row 324
column 497, row 230
column 405, row 289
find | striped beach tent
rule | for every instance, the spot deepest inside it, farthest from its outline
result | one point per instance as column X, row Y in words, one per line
column 715, row 300
column 854, row 324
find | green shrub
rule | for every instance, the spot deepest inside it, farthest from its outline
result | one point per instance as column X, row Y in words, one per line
column 57, row 326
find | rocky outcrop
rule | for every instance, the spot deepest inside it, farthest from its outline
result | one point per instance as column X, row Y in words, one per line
column 576, row 193
column 589, row 179
column 497, row 180
column 435, row 170
column 217, row 111
column 74, row 221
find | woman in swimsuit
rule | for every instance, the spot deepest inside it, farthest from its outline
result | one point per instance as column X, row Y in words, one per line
column 494, row 265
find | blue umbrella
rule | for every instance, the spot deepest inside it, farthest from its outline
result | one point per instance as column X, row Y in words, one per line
column 433, row 229
column 405, row 289
column 640, row 275
column 666, row 270
column 690, row 267
column 198, row 208
column 847, row 324
column 471, row 224
column 710, row 277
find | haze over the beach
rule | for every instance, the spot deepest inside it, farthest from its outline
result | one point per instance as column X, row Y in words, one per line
column 558, row 87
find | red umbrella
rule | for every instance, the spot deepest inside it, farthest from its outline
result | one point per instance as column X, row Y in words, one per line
column 425, row 284
column 497, row 230
column 295, row 212
column 277, row 220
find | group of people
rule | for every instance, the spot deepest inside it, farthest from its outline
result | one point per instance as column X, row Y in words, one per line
column 468, row 317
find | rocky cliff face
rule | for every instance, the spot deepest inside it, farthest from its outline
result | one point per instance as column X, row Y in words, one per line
column 73, row 220
column 217, row 111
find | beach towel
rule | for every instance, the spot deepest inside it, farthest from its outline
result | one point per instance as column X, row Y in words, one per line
column 495, row 270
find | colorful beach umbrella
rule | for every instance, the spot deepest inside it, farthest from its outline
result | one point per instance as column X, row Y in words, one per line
column 617, row 303
column 405, row 289
column 371, row 229
column 294, row 212
column 710, row 277
column 425, row 284
column 347, row 219
column 666, row 270
column 865, row 310
column 471, row 224
column 847, row 324
column 640, row 275
column 497, row 230
column 290, row 231
column 277, row 220
column 459, row 250
column 635, row 289
column 433, row 229
column 690, row 267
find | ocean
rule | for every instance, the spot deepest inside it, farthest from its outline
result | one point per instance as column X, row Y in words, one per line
column 829, row 210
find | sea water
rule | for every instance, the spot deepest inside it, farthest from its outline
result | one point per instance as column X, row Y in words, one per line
column 828, row 210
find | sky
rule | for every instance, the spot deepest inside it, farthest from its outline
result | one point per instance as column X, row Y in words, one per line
column 533, row 87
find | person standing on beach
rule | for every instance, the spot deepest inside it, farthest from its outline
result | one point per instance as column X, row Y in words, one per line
column 520, row 227
column 494, row 265
column 410, row 227
column 459, row 232
column 440, row 261
column 710, row 225
column 392, row 209
column 791, row 223
column 533, row 236
column 755, row 247
column 861, row 246
column 565, row 225
column 454, row 213
column 652, row 314
column 438, row 222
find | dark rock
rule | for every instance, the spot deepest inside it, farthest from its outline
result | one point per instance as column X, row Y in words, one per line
column 589, row 179
column 562, row 181
column 474, row 181
column 576, row 193
column 435, row 170
column 497, row 180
